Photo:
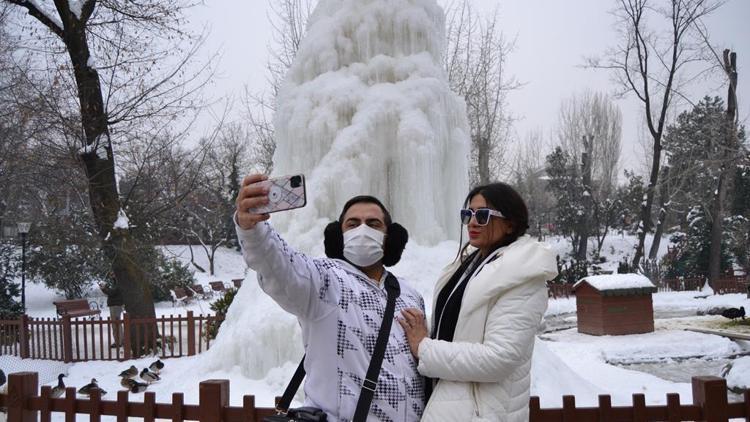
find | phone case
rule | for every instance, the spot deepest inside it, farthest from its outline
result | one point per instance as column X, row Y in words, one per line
column 282, row 195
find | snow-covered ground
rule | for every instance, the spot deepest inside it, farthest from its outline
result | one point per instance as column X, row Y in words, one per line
column 259, row 347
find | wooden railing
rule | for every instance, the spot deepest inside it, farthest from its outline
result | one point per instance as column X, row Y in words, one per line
column 681, row 284
column 730, row 285
column 558, row 290
column 25, row 404
column 75, row 340
column 709, row 404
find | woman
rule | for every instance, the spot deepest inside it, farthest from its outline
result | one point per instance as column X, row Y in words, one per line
column 487, row 308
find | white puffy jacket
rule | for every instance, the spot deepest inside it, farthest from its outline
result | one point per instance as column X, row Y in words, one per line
column 484, row 371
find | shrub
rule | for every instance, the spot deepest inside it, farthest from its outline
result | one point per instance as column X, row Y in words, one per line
column 220, row 306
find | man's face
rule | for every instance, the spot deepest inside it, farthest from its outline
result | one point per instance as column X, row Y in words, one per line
column 364, row 212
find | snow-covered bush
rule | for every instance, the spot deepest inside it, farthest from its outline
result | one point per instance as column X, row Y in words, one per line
column 10, row 307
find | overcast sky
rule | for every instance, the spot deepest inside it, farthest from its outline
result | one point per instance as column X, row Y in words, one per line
column 552, row 39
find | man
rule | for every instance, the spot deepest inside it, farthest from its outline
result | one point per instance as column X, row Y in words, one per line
column 114, row 302
column 339, row 303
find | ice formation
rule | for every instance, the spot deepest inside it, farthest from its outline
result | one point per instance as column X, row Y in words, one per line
column 366, row 109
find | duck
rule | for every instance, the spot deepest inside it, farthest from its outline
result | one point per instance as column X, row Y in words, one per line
column 59, row 389
column 156, row 366
column 88, row 388
column 149, row 377
column 135, row 386
column 125, row 382
column 733, row 313
column 131, row 372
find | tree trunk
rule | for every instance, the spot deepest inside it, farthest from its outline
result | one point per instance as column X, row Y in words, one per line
column 483, row 158
column 98, row 161
column 662, row 219
column 645, row 224
column 726, row 168
column 583, row 227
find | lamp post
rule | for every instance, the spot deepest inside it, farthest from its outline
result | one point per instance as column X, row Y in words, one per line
column 23, row 230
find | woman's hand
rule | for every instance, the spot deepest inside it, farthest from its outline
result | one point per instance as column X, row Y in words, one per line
column 415, row 327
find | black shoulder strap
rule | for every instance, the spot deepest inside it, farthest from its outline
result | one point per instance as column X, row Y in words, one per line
column 283, row 405
column 371, row 379
column 370, row 383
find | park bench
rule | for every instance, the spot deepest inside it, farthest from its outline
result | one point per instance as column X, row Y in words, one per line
column 181, row 295
column 75, row 308
column 218, row 286
column 237, row 282
column 199, row 290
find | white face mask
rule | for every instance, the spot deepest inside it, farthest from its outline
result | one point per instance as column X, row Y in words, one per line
column 363, row 246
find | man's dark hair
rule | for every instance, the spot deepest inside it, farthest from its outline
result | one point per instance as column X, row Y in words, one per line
column 396, row 236
column 367, row 199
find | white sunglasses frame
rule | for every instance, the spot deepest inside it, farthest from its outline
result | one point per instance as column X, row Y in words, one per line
column 492, row 212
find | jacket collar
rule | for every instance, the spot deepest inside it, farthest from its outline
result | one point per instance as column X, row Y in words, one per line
column 523, row 261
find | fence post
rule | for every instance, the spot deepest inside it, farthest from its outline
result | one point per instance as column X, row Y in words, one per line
column 126, row 339
column 213, row 398
column 190, row 333
column 24, row 337
column 711, row 394
column 67, row 340
column 22, row 386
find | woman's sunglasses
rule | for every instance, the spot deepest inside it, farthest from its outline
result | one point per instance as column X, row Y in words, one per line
column 481, row 214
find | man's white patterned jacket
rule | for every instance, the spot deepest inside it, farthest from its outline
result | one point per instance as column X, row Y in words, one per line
column 340, row 311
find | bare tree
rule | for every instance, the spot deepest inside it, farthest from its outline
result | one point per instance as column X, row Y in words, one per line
column 531, row 181
column 730, row 157
column 590, row 129
column 120, row 69
column 475, row 59
column 209, row 208
column 289, row 22
column 655, row 67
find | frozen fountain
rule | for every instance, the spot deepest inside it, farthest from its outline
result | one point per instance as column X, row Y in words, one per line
column 365, row 109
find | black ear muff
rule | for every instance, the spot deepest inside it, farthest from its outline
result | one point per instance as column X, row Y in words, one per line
column 395, row 242
column 333, row 240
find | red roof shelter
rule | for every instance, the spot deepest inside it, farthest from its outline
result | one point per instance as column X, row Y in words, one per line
column 615, row 304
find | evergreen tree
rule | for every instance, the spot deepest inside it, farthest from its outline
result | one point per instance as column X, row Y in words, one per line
column 10, row 307
column 692, row 248
column 565, row 184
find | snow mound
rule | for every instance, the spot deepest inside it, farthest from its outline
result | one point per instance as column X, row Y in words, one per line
column 738, row 377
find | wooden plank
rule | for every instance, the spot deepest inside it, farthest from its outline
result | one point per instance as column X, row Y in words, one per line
column 727, row 334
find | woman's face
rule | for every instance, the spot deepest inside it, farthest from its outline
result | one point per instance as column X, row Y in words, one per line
column 486, row 237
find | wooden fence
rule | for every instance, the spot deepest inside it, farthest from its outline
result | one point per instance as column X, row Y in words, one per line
column 24, row 403
column 74, row 339
column 559, row 290
column 681, row 284
column 730, row 285
column 709, row 404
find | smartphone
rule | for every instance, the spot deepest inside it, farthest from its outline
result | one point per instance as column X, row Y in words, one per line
column 284, row 193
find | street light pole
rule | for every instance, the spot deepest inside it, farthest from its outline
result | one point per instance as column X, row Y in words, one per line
column 23, row 230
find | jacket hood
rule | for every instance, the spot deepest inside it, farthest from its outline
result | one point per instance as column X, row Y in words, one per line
column 523, row 261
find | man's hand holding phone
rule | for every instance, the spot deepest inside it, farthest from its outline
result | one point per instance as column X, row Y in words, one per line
column 252, row 195
column 260, row 196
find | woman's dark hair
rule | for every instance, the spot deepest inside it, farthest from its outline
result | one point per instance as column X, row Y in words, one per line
column 396, row 235
column 502, row 197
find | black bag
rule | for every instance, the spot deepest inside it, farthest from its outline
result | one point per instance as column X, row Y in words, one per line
column 301, row 414
column 313, row 414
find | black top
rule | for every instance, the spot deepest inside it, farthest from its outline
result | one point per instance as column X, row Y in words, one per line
column 449, row 299
column 114, row 295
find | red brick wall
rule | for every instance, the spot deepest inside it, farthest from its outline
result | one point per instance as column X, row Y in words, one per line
column 613, row 315
column 628, row 314
column 589, row 310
